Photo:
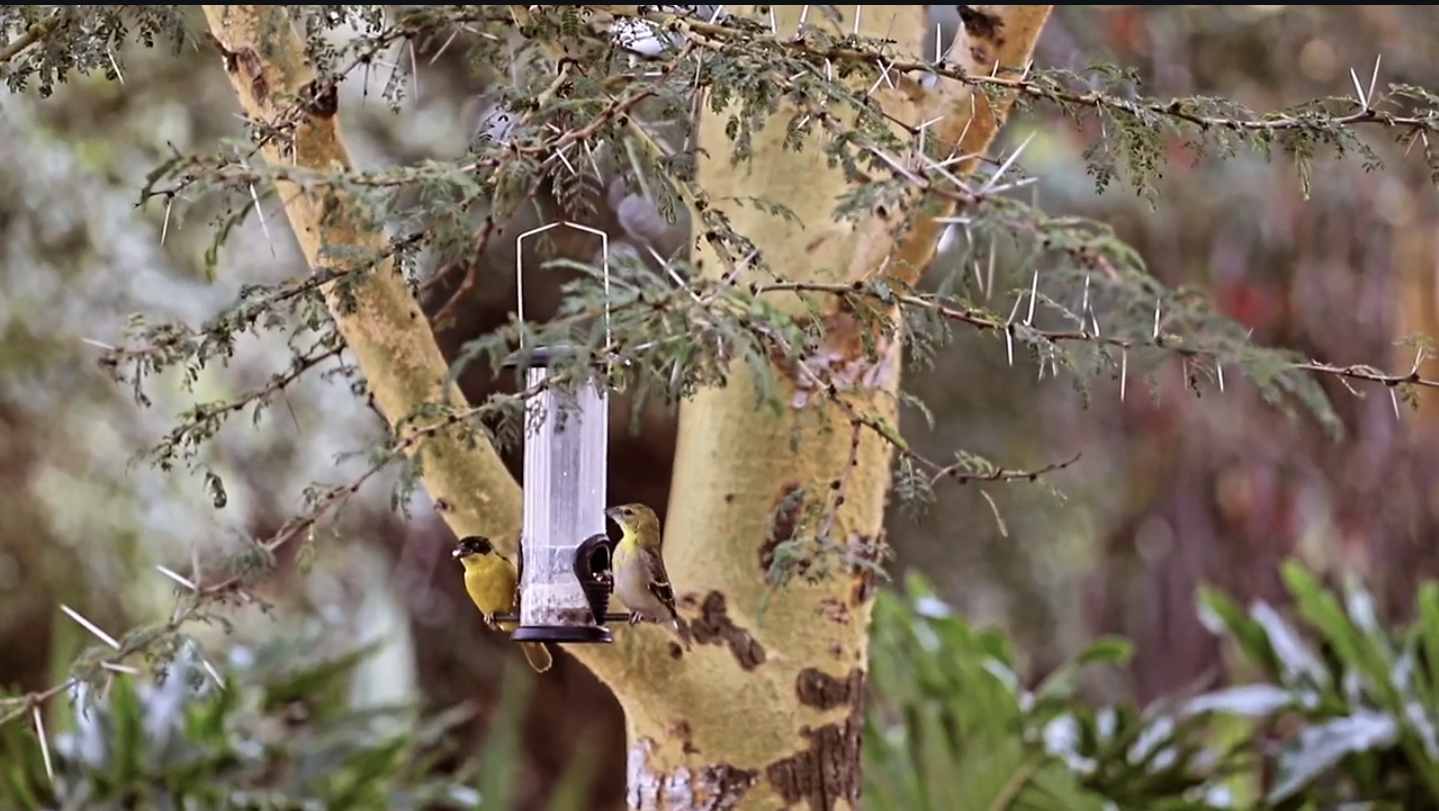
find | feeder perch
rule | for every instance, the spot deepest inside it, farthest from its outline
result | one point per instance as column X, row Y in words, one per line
column 564, row 580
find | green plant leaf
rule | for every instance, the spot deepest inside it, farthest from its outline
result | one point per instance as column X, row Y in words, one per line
column 1250, row 700
column 1318, row 749
column 1298, row 666
column 1224, row 617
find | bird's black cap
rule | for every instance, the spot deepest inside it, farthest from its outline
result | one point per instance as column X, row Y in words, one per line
column 473, row 545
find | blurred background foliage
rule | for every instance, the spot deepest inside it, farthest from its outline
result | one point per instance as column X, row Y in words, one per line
column 1172, row 491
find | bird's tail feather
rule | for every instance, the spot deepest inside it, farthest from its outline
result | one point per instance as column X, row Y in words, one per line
column 538, row 655
column 682, row 631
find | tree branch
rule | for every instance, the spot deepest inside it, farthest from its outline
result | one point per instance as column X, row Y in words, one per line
column 963, row 116
column 378, row 317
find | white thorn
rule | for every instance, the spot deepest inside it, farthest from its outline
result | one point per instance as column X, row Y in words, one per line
column 715, row 16
column 594, row 164
column 803, row 18
column 414, row 70
column 165, row 225
column 858, row 10
column 442, row 49
column 1009, row 329
column 264, row 226
column 1219, row 373
column 923, row 130
column 1018, row 184
column 44, row 744
column 1394, row 399
column 1033, row 297
column 773, row 24
column 1373, row 80
column 97, row 344
column 1094, row 321
column 90, row 626
column 1123, row 372
column 1004, row 167
column 214, row 674
column 1156, row 319
column 938, row 44
column 560, row 153
column 116, row 667
column 989, row 273
column 176, row 576
column 1084, row 307
column 115, row 65
column 1358, row 89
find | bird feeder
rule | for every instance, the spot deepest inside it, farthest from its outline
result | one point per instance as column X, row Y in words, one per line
column 565, row 581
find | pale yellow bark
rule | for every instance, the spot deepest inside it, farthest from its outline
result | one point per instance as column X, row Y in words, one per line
column 767, row 711
column 788, row 726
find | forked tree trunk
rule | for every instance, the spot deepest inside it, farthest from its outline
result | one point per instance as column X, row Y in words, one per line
column 767, row 710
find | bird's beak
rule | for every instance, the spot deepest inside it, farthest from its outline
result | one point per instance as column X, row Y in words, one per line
column 613, row 513
column 458, row 552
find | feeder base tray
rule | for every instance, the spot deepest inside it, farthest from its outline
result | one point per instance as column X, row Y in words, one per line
column 591, row 634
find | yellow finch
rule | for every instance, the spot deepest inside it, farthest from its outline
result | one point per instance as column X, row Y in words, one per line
column 493, row 584
column 641, row 581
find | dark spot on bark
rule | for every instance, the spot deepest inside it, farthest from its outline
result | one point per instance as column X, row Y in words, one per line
column 685, row 733
column 828, row 771
column 729, row 498
column 834, row 610
column 321, row 100
column 867, row 554
column 982, row 25
column 247, row 63
column 784, row 521
column 443, row 505
column 823, row 691
column 713, row 626
column 676, row 650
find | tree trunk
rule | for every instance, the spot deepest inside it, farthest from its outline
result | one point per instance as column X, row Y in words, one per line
column 770, row 713
column 767, row 711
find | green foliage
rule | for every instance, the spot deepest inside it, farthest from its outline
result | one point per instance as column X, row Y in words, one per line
column 1353, row 705
column 1346, row 718
column 951, row 726
column 281, row 733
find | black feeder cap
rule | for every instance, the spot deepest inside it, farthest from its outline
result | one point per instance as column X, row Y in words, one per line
column 538, row 358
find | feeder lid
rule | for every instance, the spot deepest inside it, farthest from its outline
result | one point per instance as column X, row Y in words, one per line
column 541, row 357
